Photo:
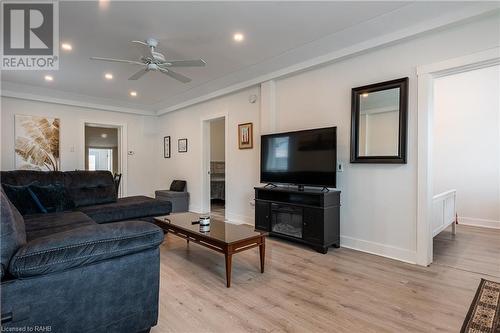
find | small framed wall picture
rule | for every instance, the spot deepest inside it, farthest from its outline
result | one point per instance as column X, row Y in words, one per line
column 182, row 145
column 245, row 136
column 166, row 147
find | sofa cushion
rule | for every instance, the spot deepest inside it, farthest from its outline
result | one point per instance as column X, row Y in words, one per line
column 22, row 198
column 90, row 187
column 25, row 177
column 84, row 246
column 52, row 198
column 13, row 235
column 127, row 208
column 84, row 187
column 40, row 225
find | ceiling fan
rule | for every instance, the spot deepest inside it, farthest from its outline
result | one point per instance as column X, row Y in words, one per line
column 156, row 61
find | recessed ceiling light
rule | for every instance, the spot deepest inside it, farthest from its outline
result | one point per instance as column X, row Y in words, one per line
column 49, row 78
column 238, row 37
column 133, row 93
column 66, row 47
column 364, row 95
column 108, row 76
column 104, row 135
column 103, row 4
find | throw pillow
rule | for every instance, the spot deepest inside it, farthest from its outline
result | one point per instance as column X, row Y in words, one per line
column 52, row 198
column 21, row 198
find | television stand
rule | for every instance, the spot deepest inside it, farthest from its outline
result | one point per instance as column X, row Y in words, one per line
column 300, row 188
column 270, row 185
column 309, row 216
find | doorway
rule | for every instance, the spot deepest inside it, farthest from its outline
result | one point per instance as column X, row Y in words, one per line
column 103, row 150
column 465, row 172
column 214, row 138
column 427, row 76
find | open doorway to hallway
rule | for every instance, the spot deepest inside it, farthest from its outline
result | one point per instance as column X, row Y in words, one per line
column 103, row 151
column 217, row 167
column 466, row 170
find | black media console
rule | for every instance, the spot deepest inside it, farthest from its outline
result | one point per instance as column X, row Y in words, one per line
column 309, row 216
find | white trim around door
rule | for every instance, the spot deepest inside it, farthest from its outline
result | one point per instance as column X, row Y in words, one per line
column 205, row 158
column 426, row 75
column 122, row 151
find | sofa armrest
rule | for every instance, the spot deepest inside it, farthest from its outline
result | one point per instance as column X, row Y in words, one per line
column 84, row 246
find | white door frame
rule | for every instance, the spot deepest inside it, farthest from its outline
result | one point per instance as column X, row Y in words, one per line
column 122, row 151
column 426, row 75
column 205, row 157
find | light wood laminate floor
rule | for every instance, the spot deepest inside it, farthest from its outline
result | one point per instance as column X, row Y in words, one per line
column 304, row 291
column 472, row 249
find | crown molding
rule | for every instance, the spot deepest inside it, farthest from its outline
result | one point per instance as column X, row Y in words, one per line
column 351, row 51
column 15, row 90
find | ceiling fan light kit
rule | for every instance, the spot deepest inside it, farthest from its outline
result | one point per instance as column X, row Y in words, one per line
column 156, row 61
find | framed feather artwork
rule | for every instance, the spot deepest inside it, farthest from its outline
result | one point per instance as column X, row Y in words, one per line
column 37, row 143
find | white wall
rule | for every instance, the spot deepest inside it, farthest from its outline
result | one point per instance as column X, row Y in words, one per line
column 466, row 143
column 141, row 138
column 379, row 202
column 242, row 166
column 217, row 140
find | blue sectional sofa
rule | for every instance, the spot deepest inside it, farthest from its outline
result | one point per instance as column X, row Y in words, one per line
column 86, row 263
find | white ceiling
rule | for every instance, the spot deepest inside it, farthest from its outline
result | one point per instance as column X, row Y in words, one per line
column 277, row 35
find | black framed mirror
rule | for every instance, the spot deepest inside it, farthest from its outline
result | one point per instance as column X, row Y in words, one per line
column 379, row 127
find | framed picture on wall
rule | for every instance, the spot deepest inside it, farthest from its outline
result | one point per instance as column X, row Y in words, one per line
column 37, row 143
column 166, row 147
column 182, row 145
column 245, row 136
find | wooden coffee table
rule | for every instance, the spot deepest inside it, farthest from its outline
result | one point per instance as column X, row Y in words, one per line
column 223, row 237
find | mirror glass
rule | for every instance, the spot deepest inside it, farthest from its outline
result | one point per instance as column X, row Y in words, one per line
column 378, row 131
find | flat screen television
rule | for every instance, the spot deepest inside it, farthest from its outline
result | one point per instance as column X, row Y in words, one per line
column 306, row 157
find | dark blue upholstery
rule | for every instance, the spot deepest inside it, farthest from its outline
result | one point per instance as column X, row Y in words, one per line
column 118, row 295
column 21, row 197
column 127, row 208
column 84, row 187
column 90, row 187
column 83, row 246
column 39, row 225
column 73, row 274
column 13, row 235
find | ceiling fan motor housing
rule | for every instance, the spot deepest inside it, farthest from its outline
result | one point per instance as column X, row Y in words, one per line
column 152, row 67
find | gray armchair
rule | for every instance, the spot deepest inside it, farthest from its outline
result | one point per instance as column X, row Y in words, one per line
column 177, row 195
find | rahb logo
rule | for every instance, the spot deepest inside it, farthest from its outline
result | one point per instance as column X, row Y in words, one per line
column 30, row 35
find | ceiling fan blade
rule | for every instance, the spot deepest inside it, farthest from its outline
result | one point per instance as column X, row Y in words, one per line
column 140, row 42
column 184, row 63
column 139, row 74
column 177, row 76
column 118, row 60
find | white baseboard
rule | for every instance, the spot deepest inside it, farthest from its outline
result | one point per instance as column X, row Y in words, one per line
column 196, row 209
column 387, row 251
column 379, row 249
column 479, row 222
column 239, row 219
